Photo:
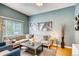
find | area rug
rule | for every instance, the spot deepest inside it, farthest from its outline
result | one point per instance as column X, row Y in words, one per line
column 45, row 52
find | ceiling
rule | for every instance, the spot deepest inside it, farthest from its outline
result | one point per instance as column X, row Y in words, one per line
column 32, row 9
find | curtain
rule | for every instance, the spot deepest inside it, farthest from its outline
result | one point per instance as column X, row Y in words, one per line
column 1, row 29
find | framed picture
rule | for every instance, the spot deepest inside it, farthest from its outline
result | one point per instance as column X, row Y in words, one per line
column 77, row 23
column 45, row 26
column 33, row 26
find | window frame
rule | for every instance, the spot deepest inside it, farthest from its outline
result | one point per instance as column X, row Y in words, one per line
column 5, row 33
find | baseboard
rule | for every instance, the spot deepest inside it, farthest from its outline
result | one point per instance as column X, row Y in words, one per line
column 68, row 47
column 60, row 46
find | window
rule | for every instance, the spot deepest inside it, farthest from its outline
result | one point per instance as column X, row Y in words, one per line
column 18, row 28
column 13, row 28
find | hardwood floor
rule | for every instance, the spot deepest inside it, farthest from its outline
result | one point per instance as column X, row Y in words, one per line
column 62, row 52
column 59, row 52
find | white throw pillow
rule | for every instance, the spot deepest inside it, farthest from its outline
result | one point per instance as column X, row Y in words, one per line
column 38, row 38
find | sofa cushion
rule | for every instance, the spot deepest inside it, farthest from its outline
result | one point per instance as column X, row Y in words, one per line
column 20, row 41
column 8, row 47
column 38, row 38
column 20, row 37
column 8, row 40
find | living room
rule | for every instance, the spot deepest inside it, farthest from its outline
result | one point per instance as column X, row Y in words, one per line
column 29, row 29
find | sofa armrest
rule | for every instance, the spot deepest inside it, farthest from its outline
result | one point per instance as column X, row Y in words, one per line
column 17, row 43
column 15, row 52
column 20, row 41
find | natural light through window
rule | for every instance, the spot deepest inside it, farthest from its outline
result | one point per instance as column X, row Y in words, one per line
column 13, row 28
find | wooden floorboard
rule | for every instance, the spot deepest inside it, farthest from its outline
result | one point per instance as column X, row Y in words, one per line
column 62, row 52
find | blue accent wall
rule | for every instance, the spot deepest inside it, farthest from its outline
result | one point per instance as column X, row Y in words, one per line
column 8, row 12
column 58, row 17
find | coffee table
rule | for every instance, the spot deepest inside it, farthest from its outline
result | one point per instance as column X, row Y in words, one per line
column 34, row 47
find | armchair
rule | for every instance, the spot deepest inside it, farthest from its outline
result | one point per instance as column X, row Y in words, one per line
column 15, row 52
column 12, row 52
column 2, row 44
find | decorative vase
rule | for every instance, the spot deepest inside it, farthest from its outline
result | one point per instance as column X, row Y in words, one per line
column 62, row 42
column 62, row 38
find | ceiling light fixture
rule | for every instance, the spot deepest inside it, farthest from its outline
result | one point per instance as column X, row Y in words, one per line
column 39, row 4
